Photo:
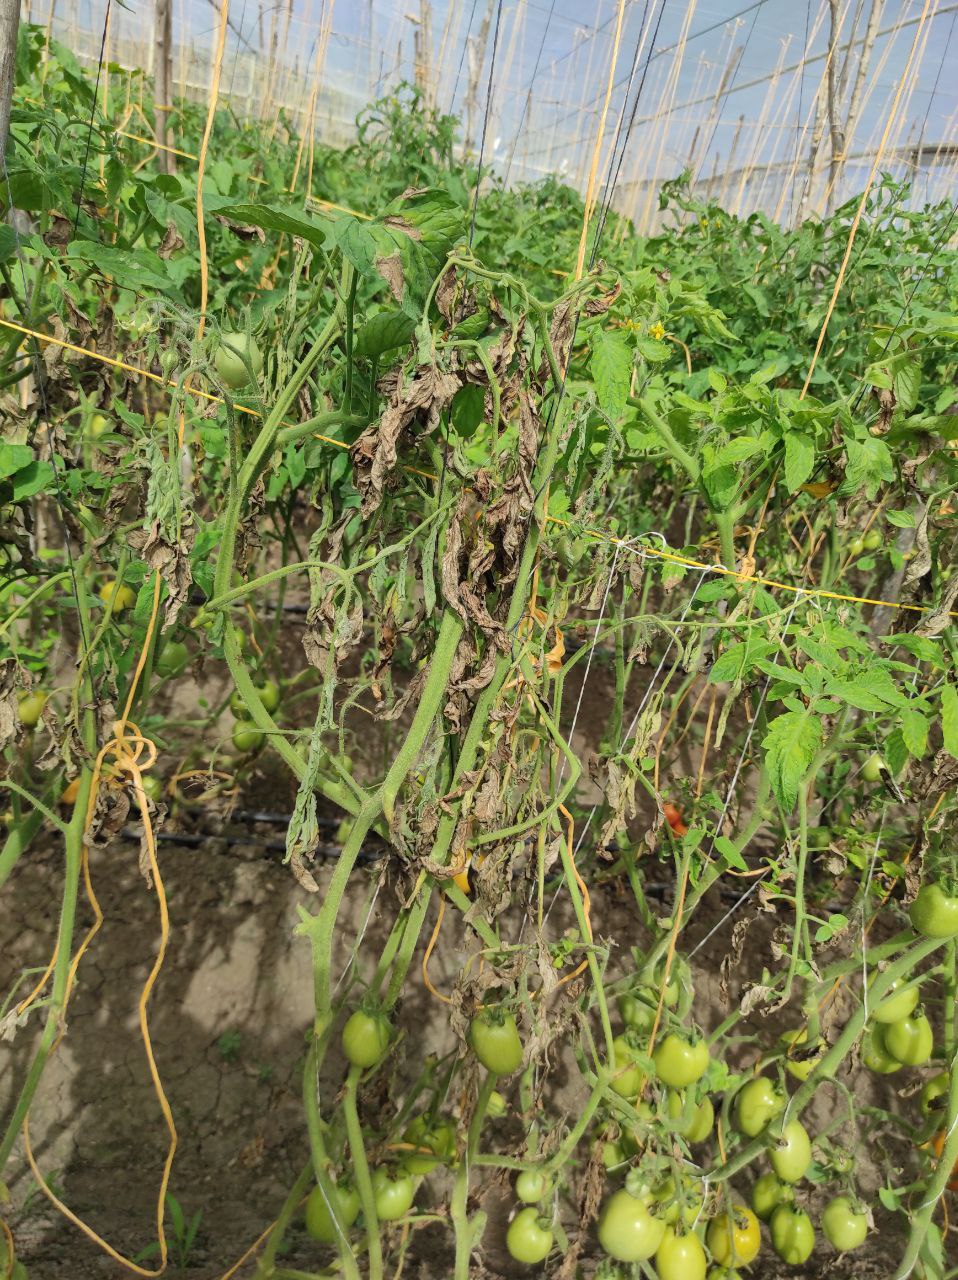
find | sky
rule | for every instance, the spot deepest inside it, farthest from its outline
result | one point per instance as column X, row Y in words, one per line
column 544, row 66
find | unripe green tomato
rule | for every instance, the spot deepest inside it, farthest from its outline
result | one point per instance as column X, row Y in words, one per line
column 365, row 1038
column 527, row 1239
column 532, row 1185
column 123, row 597
column 756, row 1104
column 900, row 1001
column 438, row 1138
column 911, row 1040
column 30, row 708
column 231, row 356
column 872, row 540
column 845, row 1226
column 100, row 424
column 934, row 914
column 495, row 1041
column 680, row 1257
column 319, row 1221
column 269, row 695
column 627, row 1230
column 932, row 1092
column 792, row 1153
column 628, row 1079
column 793, row 1236
column 672, row 1205
column 613, row 1157
column 873, row 768
column 768, row 1193
column 173, row 657
column 856, row 547
column 153, row 786
column 636, row 1011
column 247, row 737
column 698, row 1125
column 875, row 1055
column 801, row 1061
column 680, row 1062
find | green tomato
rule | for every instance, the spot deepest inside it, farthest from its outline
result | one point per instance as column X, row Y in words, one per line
column 931, row 1093
column 122, row 597
column 628, row 1079
column 153, row 786
column 627, row 1230
column 636, row 1012
column 757, row 1103
column 269, row 695
column 365, row 1038
column 613, row 1157
column 232, row 354
column 844, row 1225
column 793, row 1236
column 899, row 1003
column 393, row 1196
column 735, row 1238
column 495, row 1042
column 172, row 658
column 497, row 1106
column 319, row 1221
column 673, row 1205
column 680, row 1062
column 911, row 1040
column 532, row 1185
column 934, row 914
column 30, row 708
column 695, row 1127
column 99, row 426
column 872, row 540
column 439, row 1138
column 527, row 1239
column 768, row 1193
column 792, row 1154
column 723, row 1273
column 246, row 736
column 680, row 1257
column 875, row 1055
column 856, row 547
column 801, row 1061
column 874, row 767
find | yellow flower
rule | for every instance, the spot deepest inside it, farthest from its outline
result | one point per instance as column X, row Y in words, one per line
column 657, row 331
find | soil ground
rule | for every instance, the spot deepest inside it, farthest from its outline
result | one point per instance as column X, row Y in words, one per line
column 228, row 1021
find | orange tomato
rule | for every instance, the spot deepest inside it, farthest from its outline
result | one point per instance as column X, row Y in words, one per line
column 673, row 816
column 938, row 1145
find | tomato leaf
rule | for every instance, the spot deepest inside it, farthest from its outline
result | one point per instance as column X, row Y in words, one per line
column 611, row 367
column 914, row 730
column 790, row 746
column 949, row 719
column 799, row 459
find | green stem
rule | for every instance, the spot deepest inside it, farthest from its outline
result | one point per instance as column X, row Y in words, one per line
column 364, row 1186
column 468, row 1232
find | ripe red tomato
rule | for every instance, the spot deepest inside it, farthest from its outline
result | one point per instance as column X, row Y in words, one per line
column 673, row 816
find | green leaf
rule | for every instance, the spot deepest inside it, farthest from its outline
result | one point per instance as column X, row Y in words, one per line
column 901, row 519
column 13, row 458
column 949, row 719
column 730, row 853
column 611, row 367
column 736, row 451
column 895, row 752
column 384, row 331
column 790, row 746
column 8, row 242
column 653, row 350
column 907, row 383
column 868, row 463
column 136, row 269
column 289, row 220
column 914, row 730
column 799, row 459
column 31, row 479
column 468, row 407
